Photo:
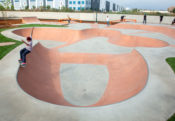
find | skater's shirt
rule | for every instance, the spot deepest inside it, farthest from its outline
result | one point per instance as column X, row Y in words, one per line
column 107, row 19
column 29, row 46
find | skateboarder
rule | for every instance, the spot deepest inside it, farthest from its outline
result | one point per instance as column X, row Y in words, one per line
column 161, row 19
column 173, row 21
column 144, row 18
column 25, row 51
column 107, row 20
column 122, row 18
column 69, row 19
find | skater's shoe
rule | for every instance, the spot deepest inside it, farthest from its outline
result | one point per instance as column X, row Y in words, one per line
column 20, row 61
column 23, row 65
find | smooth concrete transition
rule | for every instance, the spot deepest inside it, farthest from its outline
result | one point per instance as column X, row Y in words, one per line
column 73, row 36
column 136, row 82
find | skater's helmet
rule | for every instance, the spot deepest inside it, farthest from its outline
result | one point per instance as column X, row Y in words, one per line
column 29, row 38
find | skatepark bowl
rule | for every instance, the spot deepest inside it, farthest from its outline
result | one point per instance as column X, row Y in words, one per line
column 60, row 75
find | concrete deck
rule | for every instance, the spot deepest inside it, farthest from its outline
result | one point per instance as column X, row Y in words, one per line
column 154, row 103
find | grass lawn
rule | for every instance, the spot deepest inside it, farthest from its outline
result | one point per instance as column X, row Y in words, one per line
column 171, row 62
column 6, row 49
column 41, row 25
column 172, row 118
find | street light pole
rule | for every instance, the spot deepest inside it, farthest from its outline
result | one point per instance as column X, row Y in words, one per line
column 96, row 15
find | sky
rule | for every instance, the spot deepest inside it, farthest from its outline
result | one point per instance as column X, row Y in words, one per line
column 147, row 4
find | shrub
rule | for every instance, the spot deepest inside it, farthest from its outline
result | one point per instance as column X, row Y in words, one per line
column 33, row 7
column 48, row 7
column 42, row 8
column 135, row 10
column 54, row 9
column 26, row 7
column 7, row 8
column 64, row 9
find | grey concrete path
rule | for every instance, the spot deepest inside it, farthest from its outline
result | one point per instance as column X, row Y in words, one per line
column 156, row 102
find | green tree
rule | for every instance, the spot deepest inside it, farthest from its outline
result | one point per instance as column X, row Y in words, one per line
column 2, row 7
column 135, row 10
column 4, row 13
column 64, row 9
column 7, row 4
column 174, row 10
column 33, row 7
column 48, row 7
column 26, row 7
column 12, row 7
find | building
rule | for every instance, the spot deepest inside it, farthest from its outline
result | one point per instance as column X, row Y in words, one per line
column 79, row 4
column 95, row 5
column 114, row 7
column 109, row 5
column 31, row 4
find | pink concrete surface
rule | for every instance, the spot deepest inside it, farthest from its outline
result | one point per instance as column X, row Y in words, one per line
column 73, row 36
column 172, row 46
column 41, row 79
column 160, row 29
column 6, row 43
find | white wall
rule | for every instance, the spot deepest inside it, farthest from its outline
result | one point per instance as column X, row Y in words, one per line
column 87, row 16
column 85, row 5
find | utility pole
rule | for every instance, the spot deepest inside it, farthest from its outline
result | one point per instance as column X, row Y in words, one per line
column 96, row 15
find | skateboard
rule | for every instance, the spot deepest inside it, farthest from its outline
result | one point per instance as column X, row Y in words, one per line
column 21, row 65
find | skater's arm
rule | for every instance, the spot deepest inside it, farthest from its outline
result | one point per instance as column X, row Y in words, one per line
column 25, row 43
